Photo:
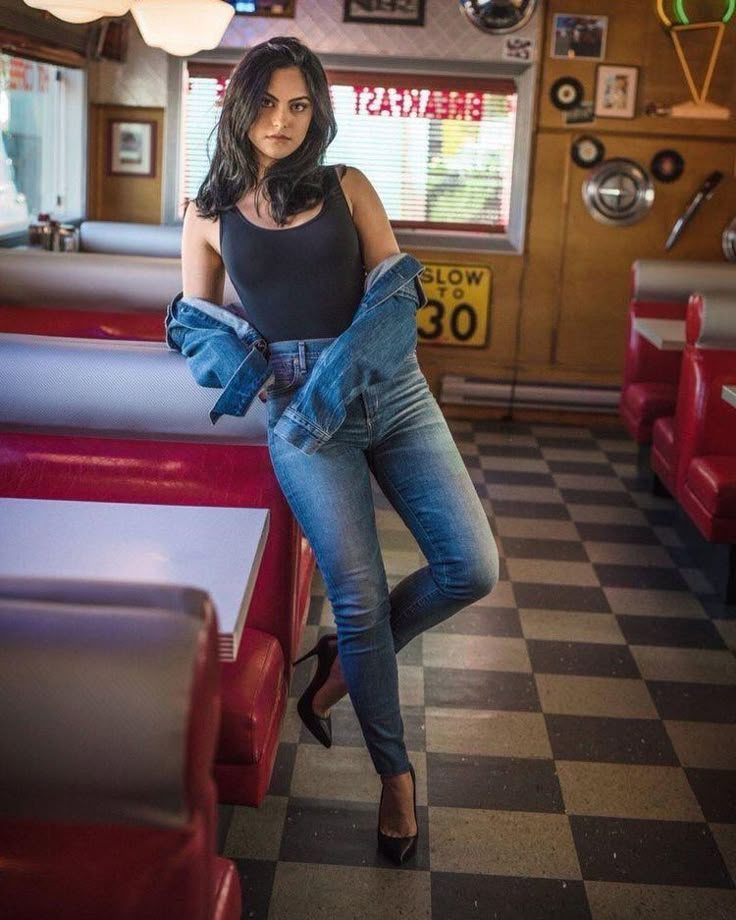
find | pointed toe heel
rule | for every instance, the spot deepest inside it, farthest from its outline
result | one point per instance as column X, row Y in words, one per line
column 399, row 849
column 326, row 652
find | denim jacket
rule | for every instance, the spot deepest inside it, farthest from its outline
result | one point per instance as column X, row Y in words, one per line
column 224, row 350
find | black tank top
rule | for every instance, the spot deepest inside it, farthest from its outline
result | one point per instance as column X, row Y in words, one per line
column 300, row 283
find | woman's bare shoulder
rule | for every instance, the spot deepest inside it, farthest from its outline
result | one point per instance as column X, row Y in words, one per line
column 203, row 274
column 199, row 230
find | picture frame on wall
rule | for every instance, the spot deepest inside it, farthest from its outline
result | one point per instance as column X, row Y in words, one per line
column 132, row 148
column 283, row 8
column 615, row 90
column 385, row 12
column 575, row 35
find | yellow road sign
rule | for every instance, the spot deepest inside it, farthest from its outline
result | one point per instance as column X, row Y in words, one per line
column 458, row 308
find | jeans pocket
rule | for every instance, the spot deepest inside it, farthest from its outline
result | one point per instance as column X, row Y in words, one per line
column 286, row 376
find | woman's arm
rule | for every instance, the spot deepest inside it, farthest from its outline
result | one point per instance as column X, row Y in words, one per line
column 377, row 240
column 203, row 274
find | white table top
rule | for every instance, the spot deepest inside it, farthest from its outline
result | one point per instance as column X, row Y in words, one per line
column 728, row 393
column 665, row 334
column 215, row 549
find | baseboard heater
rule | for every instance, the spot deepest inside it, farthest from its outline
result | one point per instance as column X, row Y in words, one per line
column 478, row 391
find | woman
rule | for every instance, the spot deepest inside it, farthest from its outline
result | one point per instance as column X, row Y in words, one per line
column 298, row 240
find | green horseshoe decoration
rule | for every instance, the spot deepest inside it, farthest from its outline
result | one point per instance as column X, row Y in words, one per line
column 683, row 17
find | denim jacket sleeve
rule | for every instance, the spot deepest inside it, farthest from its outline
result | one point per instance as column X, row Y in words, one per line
column 382, row 334
column 222, row 350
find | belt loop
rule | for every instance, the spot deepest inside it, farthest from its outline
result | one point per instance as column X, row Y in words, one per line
column 302, row 356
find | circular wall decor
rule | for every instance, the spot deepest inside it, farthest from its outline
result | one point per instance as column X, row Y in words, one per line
column 667, row 165
column 587, row 151
column 728, row 241
column 566, row 93
column 498, row 16
column 618, row 192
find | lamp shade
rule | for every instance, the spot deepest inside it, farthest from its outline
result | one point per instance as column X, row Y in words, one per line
column 81, row 10
column 191, row 26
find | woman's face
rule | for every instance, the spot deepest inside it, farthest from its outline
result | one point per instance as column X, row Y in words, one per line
column 284, row 117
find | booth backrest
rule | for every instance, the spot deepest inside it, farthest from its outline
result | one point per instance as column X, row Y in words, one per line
column 87, row 280
column 109, row 712
column 128, row 239
column 711, row 321
column 661, row 280
column 124, row 389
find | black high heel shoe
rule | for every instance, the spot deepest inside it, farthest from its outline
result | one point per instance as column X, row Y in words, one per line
column 326, row 652
column 399, row 849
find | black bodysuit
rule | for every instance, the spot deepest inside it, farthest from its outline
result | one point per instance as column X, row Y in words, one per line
column 300, row 283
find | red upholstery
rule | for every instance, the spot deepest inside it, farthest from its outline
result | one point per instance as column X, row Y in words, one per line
column 92, row 324
column 108, row 469
column 67, row 871
column 643, row 403
column 663, row 456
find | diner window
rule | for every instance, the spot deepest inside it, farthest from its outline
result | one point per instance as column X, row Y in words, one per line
column 439, row 150
column 42, row 128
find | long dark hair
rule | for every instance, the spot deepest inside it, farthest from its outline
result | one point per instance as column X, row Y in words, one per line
column 293, row 183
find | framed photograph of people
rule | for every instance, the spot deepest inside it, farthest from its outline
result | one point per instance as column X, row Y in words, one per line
column 132, row 148
column 385, row 12
column 579, row 36
column 615, row 91
column 284, row 8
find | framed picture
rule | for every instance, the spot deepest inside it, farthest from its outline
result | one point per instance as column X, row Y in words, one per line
column 132, row 146
column 615, row 91
column 385, row 12
column 284, row 8
column 579, row 36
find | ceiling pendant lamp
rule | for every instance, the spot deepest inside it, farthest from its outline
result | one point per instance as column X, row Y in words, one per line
column 81, row 10
column 194, row 25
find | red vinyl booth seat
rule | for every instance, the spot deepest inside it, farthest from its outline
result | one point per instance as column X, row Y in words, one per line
column 79, row 450
column 113, row 816
column 87, row 324
column 660, row 290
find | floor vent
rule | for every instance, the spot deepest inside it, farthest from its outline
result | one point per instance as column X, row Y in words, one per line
column 477, row 391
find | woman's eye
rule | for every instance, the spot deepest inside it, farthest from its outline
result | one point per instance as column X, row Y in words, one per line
column 300, row 106
column 266, row 102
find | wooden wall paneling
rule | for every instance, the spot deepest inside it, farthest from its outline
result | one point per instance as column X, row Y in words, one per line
column 115, row 197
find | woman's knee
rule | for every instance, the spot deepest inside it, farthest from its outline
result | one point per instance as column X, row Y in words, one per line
column 475, row 575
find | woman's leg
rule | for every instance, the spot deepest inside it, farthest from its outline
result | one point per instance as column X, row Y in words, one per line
column 330, row 495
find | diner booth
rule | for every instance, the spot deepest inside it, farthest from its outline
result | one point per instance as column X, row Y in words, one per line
column 565, row 174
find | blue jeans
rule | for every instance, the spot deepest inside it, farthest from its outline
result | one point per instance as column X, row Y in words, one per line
column 396, row 431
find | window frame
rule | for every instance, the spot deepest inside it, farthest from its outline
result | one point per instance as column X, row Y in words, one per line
column 510, row 241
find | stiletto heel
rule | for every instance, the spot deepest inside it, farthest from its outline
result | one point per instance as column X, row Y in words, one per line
column 399, row 849
column 326, row 652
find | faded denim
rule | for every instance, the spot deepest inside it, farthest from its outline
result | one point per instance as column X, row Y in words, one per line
column 395, row 430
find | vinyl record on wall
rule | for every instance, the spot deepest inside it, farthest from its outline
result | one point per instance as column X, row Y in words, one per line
column 587, row 151
column 667, row 165
column 566, row 93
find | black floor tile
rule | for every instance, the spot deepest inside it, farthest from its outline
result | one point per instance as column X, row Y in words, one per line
column 559, row 550
column 256, row 883
column 483, row 621
column 715, row 791
column 648, row 852
column 567, row 443
column 469, row 897
column 283, row 769
column 542, row 511
column 677, row 632
column 597, row 497
column 694, row 702
column 589, row 659
column 501, row 783
column 647, row 577
column 514, row 478
column 660, row 517
column 607, row 740
column 342, row 834
column 468, row 689
column 510, row 450
column 560, row 597
column 580, row 467
column 617, row 533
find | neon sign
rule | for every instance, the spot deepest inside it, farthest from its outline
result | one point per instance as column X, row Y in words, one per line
column 403, row 102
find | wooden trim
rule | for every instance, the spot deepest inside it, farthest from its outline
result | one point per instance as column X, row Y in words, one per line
column 26, row 46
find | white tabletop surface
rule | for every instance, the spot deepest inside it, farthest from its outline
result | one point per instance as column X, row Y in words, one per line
column 665, row 334
column 215, row 549
column 729, row 393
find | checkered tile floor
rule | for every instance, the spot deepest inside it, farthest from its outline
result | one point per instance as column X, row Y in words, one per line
column 573, row 734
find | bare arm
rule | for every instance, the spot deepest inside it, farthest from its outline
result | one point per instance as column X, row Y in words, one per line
column 377, row 240
column 203, row 274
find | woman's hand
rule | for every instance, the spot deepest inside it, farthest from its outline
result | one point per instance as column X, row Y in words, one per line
column 377, row 240
column 203, row 274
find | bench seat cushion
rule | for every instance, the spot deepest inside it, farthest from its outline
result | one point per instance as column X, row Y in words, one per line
column 643, row 403
column 712, row 479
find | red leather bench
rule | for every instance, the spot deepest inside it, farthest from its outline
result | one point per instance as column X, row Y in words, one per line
column 107, row 805
column 124, row 421
column 694, row 451
column 660, row 290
